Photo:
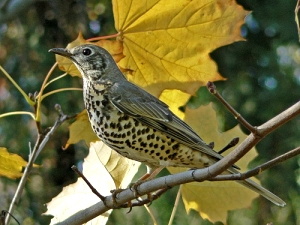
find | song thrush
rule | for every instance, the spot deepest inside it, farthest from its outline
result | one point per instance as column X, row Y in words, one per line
column 136, row 124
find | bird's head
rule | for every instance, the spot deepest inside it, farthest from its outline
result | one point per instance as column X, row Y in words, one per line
column 92, row 61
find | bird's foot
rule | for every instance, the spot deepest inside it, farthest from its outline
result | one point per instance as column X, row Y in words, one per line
column 114, row 193
column 134, row 188
column 151, row 173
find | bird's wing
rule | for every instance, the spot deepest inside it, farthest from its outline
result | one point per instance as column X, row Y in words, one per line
column 150, row 111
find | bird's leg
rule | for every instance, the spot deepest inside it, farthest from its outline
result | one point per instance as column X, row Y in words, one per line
column 151, row 173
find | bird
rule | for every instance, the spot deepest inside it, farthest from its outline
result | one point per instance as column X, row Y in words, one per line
column 138, row 125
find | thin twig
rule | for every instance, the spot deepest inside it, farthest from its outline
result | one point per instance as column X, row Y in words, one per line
column 279, row 120
column 231, row 144
column 3, row 215
column 41, row 141
column 255, row 171
column 213, row 90
column 74, row 168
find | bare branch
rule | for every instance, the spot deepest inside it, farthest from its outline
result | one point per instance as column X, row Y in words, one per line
column 231, row 144
column 199, row 175
column 252, row 139
column 213, row 90
column 279, row 120
column 255, row 171
column 74, row 168
column 41, row 141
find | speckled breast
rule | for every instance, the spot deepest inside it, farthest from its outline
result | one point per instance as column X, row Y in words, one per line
column 134, row 140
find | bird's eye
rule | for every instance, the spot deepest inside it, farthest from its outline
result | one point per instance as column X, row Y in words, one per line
column 86, row 51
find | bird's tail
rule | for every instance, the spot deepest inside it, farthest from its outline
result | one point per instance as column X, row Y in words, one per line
column 262, row 191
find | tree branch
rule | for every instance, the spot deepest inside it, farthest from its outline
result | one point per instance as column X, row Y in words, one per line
column 255, row 171
column 192, row 175
column 213, row 90
column 41, row 141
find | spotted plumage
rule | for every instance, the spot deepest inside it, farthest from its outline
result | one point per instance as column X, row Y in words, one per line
column 131, row 138
column 136, row 124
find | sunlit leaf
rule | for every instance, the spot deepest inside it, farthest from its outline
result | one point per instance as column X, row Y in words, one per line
column 120, row 168
column 167, row 43
column 11, row 164
column 175, row 99
column 81, row 130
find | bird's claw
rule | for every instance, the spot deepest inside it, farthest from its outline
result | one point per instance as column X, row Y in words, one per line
column 114, row 195
column 134, row 188
column 130, row 206
column 150, row 199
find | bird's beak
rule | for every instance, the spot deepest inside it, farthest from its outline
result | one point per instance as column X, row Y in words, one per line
column 61, row 51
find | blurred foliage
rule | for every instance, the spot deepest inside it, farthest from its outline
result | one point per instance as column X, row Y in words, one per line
column 263, row 79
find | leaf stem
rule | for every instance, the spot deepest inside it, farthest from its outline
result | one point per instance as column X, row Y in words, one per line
column 17, row 113
column 175, row 205
column 104, row 37
column 39, row 96
column 151, row 214
column 59, row 90
column 18, row 87
column 55, row 79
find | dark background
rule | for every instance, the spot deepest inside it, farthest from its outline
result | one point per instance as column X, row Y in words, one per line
column 263, row 80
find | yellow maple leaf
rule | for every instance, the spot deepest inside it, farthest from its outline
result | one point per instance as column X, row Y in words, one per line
column 81, row 130
column 11, row 164
column 167, row 43
column 214, row 199
column 175, row 99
